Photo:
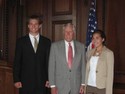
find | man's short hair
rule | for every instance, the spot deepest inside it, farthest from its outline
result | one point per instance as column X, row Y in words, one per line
column 69, row 25
column 36, row 17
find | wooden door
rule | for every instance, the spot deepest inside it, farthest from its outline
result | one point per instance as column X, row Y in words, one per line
column 60, row 12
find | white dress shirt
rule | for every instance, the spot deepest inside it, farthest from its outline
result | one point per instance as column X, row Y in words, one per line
column 92, row 72
column 32, row 39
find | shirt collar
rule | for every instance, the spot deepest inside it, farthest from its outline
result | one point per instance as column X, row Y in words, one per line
column 67, row 43
column 37, row 36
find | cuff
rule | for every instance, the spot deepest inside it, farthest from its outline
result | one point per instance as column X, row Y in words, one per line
column 52, row 86
column 83, row 84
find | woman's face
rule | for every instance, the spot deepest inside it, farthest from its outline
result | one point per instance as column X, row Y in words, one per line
column 97, row 40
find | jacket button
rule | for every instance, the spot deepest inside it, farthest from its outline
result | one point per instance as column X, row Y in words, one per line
column 96, row 71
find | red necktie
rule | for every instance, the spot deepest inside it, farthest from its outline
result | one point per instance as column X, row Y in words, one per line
column 70, row 55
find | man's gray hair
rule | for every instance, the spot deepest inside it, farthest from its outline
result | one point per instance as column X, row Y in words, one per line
column 69, row 25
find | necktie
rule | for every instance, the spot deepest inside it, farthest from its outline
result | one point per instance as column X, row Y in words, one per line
column 70, row 56
column 35, row 44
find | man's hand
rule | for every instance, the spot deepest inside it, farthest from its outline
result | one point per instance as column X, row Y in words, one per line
column 18, row 85
column 54, row 90
column 81, row 91
column 47, row 84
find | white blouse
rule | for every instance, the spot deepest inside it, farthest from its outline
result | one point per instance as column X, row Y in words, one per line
column 92, row 72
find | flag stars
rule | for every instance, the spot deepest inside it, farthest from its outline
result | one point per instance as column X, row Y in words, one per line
column 94, row 27
column 92, row 23
column 92, row 31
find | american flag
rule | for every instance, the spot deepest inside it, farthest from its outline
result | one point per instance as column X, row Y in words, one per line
column 92, row 24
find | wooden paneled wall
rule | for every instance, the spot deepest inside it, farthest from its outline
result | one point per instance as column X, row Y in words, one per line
column 54, row 14
column 115, row 31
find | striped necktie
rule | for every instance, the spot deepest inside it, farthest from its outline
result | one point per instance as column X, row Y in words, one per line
column 35, row 44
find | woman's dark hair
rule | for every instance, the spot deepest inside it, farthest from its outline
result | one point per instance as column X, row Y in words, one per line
column 102, row 34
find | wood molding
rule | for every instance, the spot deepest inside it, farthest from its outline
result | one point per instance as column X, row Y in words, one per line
column 62, row 17
column 61, row 12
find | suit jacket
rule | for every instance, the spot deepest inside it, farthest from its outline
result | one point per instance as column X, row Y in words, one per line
column 104, row 70
column 30, row 68
column 59, row 73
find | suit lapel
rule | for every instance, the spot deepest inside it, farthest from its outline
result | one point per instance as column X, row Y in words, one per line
column 102, row 55
column 91, row 54
column 29, row 44
column 39, row 44
column 63, row 49
column 89, row 57
column 75, row 55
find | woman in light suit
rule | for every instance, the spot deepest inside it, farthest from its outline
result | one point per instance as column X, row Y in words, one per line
column 100, row 66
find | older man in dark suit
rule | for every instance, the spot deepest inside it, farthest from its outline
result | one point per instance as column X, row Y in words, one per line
column 31, row 60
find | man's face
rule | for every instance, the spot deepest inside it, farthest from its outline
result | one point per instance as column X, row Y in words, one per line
column 34, row 26
column 68, row 34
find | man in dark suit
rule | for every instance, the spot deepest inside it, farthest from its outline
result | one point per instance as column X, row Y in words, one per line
column 31, row 60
